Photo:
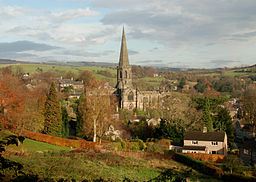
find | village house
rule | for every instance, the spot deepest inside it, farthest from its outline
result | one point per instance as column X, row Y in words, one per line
column 205, row 142
column 76, row 85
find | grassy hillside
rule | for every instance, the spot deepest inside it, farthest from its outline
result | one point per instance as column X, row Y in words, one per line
column 48, row 162
column 90, row 165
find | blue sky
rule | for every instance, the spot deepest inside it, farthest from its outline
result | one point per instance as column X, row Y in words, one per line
column 174, row 33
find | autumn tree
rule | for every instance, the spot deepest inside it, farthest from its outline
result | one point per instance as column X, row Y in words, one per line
column 98, row 109
column 88, row 79
column 12, row 97
column 53, row 120
column 179, row 108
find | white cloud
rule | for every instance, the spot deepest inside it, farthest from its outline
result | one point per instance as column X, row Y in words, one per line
column 72, row 14
column 12, row 11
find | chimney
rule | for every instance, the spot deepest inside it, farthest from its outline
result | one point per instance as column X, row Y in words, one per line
column 205, row 129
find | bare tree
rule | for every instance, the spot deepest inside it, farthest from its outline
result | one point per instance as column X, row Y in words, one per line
column 249, row 108
column 98, row 111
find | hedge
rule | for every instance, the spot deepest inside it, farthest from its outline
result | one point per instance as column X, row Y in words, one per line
column 198, row 165
column 207, row 157
column 63, row 142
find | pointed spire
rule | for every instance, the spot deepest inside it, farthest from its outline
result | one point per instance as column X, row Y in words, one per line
column 123, row 60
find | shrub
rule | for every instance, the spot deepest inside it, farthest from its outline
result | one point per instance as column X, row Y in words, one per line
column 123, row 144
column 198, row 165
column 141, row 144
column 169, row 152
column 154, row 148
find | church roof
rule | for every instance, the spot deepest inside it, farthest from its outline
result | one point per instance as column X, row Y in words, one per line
column 123, row 60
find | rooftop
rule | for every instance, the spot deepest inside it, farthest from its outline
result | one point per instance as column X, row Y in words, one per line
column 208, row 136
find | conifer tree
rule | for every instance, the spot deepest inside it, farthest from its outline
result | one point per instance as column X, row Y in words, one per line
column 207, row 115
column 80, row 114
column 53, row 120
column 65, row 123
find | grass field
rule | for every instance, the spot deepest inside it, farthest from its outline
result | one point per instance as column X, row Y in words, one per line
column 33, row 68
column 32, row 146
column 90, row 165
column 53, row 163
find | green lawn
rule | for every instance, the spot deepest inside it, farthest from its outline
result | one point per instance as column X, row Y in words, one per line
column 32, row 145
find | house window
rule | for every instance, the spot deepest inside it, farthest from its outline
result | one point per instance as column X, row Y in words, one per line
column 194, row 142
column 246, row 151
column 214, row 143
column 214, row 152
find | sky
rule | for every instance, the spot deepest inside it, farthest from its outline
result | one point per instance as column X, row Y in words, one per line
column 173, row 33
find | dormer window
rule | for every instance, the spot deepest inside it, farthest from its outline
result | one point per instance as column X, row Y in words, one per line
column 194, row 142
column 214, row 143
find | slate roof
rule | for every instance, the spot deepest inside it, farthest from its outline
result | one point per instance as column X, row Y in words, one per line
column 194, row 148
column 208, row 136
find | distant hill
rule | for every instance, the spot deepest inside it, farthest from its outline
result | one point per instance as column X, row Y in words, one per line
column 55, row 63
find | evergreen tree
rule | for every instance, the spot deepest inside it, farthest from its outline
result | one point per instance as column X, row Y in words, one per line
column 53, row 122
column 207, row 115
column 80, row 114
column 182, row 83
column 224, row 123
column 65, row 123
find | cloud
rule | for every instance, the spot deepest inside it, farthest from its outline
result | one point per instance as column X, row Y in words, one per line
column 175, row 23
column 21, row 46
column 72, row 14
column 12, row 11
column 151, row 61
column 245, row 35
column 223, row 63
column 132, row 52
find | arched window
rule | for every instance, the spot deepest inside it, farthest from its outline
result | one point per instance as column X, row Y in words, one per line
column 130, row 96
column 125, row 74
column 121, row 74
column 130, row 107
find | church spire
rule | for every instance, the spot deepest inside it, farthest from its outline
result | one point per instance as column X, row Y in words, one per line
column 123, row 60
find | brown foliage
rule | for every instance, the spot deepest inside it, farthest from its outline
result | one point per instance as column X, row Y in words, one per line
column 11, row 101
column 207, row 157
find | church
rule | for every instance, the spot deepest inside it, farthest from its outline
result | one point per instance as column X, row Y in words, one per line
column 131, row 98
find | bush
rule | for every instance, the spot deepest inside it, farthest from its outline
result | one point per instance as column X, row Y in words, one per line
column 169, row 152
column 123, row 145
column 135, row 148
column 154, row 147
column 198, row 165
column 141, row 144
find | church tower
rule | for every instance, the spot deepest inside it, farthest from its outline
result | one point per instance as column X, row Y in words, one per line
column 126, row 93
column 124, row 71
